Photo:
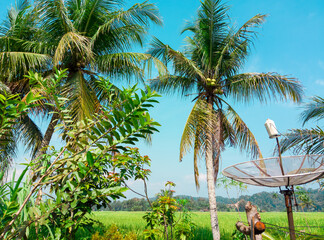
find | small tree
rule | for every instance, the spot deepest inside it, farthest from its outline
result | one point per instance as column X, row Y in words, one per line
column 90, row 170
column 163, row 215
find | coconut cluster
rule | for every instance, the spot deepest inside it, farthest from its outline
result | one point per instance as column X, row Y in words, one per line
column 216, row 88
column 211, row 82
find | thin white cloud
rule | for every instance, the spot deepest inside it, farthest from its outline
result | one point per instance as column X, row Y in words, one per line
column 320, row 82
column 191, row 178
column 321, row 64
column 312, row 14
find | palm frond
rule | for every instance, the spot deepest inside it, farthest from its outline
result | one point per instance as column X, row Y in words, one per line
column 27, row 45
column 171, row 84
column 201, row 121
column 235, row 47
column 92, row 11
column 19, row 21
column 106, row 92
column 30, row 133
column 306, row 141
column 139, row 16
column 193, row 133
column 119, row 38
column 142, row 14
column 87, row 16
column 122, row 65
column 55, row 17
column 73, row 43
column 314, row 109
column 184, row 68
column 263, row 86
column 83, row 101
column 211, row 28
column 244, row 138
column 228, row 133
column 19, row 63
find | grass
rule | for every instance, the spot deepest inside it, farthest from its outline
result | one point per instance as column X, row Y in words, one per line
column 132, row 221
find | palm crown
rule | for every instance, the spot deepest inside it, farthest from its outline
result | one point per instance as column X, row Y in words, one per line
column 89, row 38
column 210, row 67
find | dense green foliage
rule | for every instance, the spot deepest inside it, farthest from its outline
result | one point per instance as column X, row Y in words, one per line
column 88, row 38
column 89, row 171
column 114, row 233
column 12, row 110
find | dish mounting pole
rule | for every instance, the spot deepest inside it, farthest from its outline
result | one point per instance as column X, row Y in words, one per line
column 288, row 201
column 280, row 159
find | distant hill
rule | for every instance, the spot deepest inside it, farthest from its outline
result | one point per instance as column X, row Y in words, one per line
column 265, row 201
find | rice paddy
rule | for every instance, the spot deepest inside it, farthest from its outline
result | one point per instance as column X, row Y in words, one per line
column 132, row 221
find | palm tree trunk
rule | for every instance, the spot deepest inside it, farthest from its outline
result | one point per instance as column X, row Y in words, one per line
column 211, row 180
column 212, row 197
column 43, row 147
column 48, row 135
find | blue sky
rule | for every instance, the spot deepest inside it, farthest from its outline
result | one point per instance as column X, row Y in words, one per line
column 290, row 43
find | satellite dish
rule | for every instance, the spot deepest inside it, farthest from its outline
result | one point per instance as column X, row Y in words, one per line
column 267, row 172
column 279, row 172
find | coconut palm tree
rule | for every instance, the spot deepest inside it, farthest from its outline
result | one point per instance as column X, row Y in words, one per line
column 209, row 69
column 306, row 140
column 19, row 25
column 89, row 38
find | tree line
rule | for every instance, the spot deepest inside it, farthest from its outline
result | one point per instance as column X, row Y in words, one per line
column 266, row 202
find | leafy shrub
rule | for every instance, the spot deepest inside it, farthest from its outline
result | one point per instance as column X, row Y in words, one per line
column 237, row 235
column 163, row 216
column 114, row 233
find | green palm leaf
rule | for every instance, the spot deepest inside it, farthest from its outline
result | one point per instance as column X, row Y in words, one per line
column 244, row 138
column 74, row 44
column 235, row 47
column 194, row 135
column 121, row 64
column 19, row 63
column 263, row 86
column 311, row 140
column 30, row 133
column 194, row 131
column 170, row 84
column 314, row 110
column 83, row 101
column 181, row 64
column 55, row 17
column 138, row 15
column 304, row 140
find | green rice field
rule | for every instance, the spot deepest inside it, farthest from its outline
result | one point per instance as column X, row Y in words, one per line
column 132, row 221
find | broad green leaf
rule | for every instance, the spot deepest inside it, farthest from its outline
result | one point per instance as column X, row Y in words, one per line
column 82, row 167
column 90, row 159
